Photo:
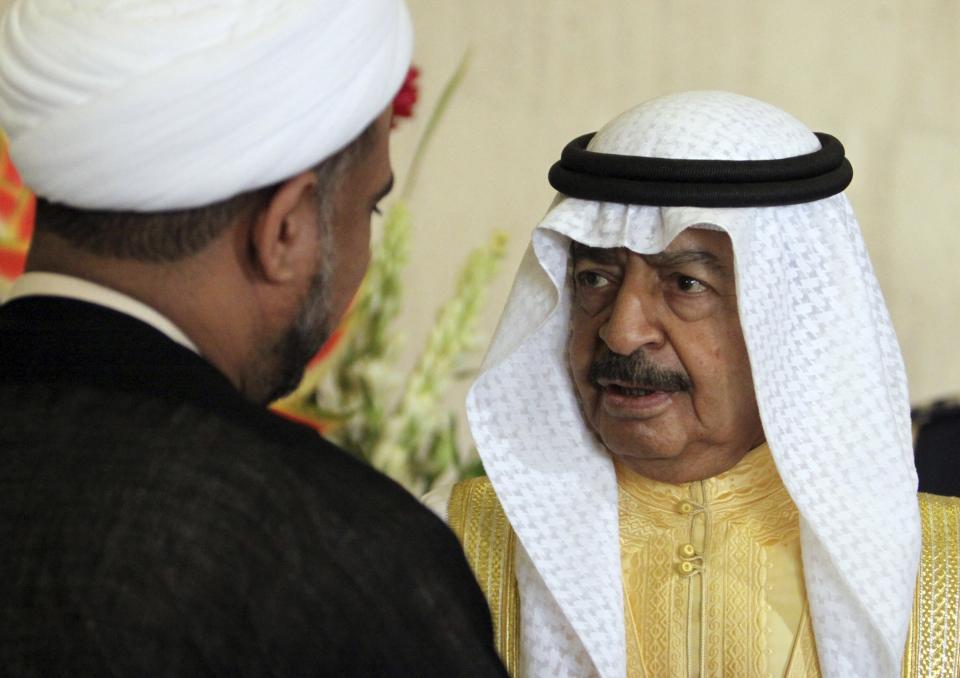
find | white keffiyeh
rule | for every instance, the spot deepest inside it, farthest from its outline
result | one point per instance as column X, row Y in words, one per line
column 830, row 385
column 153, row 105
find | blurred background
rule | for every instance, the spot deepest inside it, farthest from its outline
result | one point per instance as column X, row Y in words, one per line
column 881, row 75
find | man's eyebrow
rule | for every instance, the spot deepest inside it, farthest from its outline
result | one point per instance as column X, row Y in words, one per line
column 681, row 257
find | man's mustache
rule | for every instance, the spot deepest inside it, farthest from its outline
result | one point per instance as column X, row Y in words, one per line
column 636, row 370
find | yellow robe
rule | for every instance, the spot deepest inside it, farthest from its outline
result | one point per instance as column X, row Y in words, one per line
column 690, row 609
column 712, row 576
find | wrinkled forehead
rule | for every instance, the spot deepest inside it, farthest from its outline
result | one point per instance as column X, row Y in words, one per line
column 641, row 229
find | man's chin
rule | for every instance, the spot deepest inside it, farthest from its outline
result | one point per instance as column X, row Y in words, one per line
column 639, row 438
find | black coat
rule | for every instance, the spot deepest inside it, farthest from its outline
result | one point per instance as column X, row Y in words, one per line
column 937, row 447
column 155, row 523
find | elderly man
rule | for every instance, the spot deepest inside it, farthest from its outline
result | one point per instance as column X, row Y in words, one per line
column 207, row 173
column 695, row 424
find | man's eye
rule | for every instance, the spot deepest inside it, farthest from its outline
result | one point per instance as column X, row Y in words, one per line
column 690, row 285
column 592, row 280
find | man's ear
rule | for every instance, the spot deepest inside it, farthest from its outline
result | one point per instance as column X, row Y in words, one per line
column 283, row 238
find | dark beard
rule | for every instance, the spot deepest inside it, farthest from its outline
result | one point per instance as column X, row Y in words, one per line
column 636, row 368
column 306, row 336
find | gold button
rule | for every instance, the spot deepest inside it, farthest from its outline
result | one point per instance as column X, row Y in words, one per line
column 685, row 507
column 685, row 567
column 688, row 551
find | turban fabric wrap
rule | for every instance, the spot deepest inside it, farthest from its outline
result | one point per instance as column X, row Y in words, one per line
column 827, row 371
column 118, row 104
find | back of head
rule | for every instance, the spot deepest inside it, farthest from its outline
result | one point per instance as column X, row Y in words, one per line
column 156, row 106
column 148, row 129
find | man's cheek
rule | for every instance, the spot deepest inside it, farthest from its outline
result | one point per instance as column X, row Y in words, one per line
column 581, row 370
column 586, row 391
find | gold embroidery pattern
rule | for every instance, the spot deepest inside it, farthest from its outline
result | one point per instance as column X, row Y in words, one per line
column 933, row 639
column 736, row 598
column 803, row 659
column 714, row 618
column 933, row 642
column 489, row 543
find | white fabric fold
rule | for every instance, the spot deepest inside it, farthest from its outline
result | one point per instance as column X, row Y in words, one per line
column 830, row 385
column 148, row 106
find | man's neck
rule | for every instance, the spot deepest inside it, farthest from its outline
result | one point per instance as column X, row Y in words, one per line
column 190, row 293
column 46, row 284
column 690, row 466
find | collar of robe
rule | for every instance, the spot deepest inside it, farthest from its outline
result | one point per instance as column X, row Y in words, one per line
column 671, row 182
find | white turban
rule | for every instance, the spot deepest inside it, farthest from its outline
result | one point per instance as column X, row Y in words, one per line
column 156, row 105
column 829, row 381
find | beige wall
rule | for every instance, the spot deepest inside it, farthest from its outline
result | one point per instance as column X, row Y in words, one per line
column 882, row 75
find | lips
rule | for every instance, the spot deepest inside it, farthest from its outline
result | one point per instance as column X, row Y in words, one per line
column 630, row 389
column 635, row 392
column 624, row 399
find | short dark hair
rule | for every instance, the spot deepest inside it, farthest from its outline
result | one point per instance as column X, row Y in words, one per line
column 176, row 234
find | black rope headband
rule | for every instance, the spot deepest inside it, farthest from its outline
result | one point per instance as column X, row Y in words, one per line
column 669, row 182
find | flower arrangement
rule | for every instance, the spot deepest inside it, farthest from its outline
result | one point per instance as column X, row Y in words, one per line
column 16, row 220
column 407, row 97
column 399, row 423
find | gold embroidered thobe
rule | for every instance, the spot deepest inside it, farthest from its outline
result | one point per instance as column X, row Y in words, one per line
column 933, row 640
column 712, row 576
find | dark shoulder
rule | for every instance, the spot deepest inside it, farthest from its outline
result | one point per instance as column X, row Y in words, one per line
column 937, row 446
column 229, row 529
column 182, row 447
column 252, row 467
column 152, row 515
column 365, row 560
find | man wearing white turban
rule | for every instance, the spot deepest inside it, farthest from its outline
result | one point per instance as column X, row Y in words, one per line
column 206, row 174
column 695, row 424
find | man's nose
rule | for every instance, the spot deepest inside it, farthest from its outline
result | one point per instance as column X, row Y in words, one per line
column 633, row 323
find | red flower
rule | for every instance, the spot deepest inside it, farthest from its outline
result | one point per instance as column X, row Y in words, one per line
column 16, row 218
column 407, row 96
